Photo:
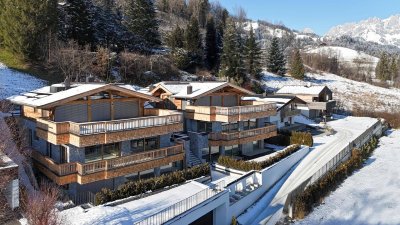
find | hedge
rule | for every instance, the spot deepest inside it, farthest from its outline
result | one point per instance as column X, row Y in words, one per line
column 250, row 165
column 138, row 187
column 301, row 138
column 314, row 194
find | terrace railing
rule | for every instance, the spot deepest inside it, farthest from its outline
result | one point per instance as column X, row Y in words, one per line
column 234, row 110
column 184, row 205
column 242, row 134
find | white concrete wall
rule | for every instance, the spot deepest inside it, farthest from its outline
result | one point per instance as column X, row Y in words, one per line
column 12, row 193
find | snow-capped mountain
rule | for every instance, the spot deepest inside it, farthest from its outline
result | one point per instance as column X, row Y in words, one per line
column 381, row 31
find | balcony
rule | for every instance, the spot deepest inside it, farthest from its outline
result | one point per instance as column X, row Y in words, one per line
column 156, row 121
column 241, row 137
column 322, row 105
column 290, row 112
column 248, row 110
column 84, row 173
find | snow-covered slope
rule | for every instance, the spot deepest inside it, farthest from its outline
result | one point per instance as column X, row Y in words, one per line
column 382, row 31
column 370, row 196
column 13, row 82
column 349, row 93
column 345, row 54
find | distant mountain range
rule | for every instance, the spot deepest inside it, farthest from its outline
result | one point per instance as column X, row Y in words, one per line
column 381, row 31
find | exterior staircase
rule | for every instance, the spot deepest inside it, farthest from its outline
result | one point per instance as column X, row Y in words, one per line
column 193, row 159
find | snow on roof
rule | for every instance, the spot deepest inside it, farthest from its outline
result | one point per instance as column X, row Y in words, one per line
column 179, row 89
column 300, row 89
column 133, row 211
column 43, row 96
column 278, row 100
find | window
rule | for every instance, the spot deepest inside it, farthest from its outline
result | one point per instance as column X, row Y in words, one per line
column 145, row 144
column 100, row 152
column 49, row 150
column 204, row 126
column 63, row 154
column 35, row 136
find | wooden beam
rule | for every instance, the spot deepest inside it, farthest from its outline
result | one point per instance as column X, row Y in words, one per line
column 89, row 108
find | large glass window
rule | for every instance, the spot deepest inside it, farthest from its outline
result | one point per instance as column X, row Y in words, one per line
column 204, row 126
column 145, row 144
column 232, row 150
column 100, row 152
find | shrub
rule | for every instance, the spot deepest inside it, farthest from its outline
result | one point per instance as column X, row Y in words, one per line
column 142, row 186
column 249, row 165
column 315, row 193
column 301, row 138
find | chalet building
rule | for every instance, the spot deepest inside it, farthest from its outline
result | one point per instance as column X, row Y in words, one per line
column 218, row 121
column 89, row 136
column 318, row 98
column 287, row 109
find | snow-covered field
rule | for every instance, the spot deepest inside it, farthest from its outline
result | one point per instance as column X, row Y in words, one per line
column 350, row 93
column 13, row 82
column 370, row 196
column 345, row 54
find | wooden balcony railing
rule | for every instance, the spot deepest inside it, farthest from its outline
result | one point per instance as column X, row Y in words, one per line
column 234, row 110
column 153, row 117
column 322, row 105
column 241, row 134
column 104, row 165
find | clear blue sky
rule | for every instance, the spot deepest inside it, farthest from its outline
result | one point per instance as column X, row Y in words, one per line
column 319, row 15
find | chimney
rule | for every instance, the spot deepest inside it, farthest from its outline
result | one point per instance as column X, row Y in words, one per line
column 308, row 84
column 189, row 89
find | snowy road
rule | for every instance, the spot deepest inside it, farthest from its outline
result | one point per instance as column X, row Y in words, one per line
column 326, row 148
column 370, row 196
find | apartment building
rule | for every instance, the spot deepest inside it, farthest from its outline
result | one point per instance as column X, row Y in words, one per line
column 218, row 121
column 86, row 136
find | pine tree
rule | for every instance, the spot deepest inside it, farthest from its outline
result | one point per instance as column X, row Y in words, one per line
column 252, row 55
column 175, row 38
column 382, row 70
column 211, row 44
column 276, row 60
column 80, row 22
column 232, row 65
column 192, row 37
column 296, row 67
column 394, row 70
column 25, row 25
column 141, row 20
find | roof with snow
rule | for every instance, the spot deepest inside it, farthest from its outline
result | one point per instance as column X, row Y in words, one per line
column 45, row 98
column 280, row 100
column 301, row 89
column 178, row 89
column 129, row 212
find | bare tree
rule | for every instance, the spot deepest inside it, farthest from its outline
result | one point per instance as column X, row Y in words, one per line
column 40, row 207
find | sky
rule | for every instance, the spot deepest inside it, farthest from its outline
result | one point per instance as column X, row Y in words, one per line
column 319, row 15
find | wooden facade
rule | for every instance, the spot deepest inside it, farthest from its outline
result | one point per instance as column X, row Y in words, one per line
column 84, row 173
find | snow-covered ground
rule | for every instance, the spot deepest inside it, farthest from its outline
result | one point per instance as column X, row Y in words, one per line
column 370, row 196
column 345, row 54
column 325, row 148
column 13, row 82
column 350, row 93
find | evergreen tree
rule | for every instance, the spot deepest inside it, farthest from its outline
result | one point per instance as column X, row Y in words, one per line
column 175, row 38
column 382, row 70
column 80, row 22
column 25, row 25
column 232, row 65
column 253, row 55
column 394, row 70
column 276, row 60
column 296, row 67
column 141, row 20
column 192, row 37
column 211, row 44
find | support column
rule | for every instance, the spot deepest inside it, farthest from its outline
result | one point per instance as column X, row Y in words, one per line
column 157, row 171
column 221, row 150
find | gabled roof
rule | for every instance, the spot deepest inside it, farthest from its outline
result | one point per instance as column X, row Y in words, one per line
column 280, row 100
column 199, row 89
column 300, row 89
column 43, row 98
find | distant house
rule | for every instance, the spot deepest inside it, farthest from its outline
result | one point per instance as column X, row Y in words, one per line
column 318, row 98
column 89, row 136
column 218, row 120
column 9, row 185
